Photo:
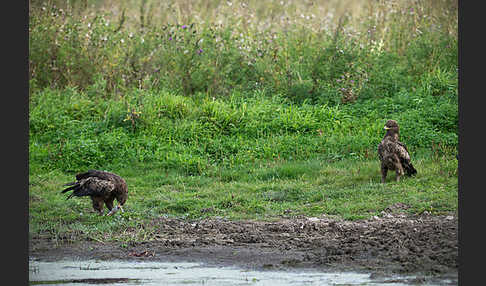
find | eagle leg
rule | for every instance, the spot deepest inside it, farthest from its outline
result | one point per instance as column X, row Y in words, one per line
column 384, row 171
column 399, row 171
column 398, row 168
column 109, row 204
column 97, row 205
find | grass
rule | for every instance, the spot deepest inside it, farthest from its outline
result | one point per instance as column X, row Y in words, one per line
column 252, row 110
column 349, row 189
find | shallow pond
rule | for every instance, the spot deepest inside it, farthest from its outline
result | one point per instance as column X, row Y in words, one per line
column 90, row 272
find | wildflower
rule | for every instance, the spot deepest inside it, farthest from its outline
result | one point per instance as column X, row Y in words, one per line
column 184, row 27
column 199, row 51
column 351, row 81
column 122, row 41
column 411, row 10
column 170, row 38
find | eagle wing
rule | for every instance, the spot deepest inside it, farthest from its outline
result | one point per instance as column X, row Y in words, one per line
column 90, row 186
column 405, row 159
column 95, row 173
column 401, row 151
column 389, row 148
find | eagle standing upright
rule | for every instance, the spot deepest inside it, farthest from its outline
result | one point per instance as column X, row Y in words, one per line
column 393, row 153
column 103, row 187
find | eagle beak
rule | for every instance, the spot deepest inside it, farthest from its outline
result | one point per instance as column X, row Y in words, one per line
column 386, row 128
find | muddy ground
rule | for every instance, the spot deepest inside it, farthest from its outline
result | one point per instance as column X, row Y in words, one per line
column 392, row 243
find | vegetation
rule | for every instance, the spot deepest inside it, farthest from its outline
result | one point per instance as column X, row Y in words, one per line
column 255, row 109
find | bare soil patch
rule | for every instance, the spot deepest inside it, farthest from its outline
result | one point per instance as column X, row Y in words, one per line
column 394, row 243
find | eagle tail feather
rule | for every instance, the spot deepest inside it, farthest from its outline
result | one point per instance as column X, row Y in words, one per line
column 409, row 169
column 70, row 184
column 70, row 188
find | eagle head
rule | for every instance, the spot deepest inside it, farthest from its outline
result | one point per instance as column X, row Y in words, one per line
column 391, row 125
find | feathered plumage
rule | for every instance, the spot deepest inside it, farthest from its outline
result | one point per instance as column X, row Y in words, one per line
column 103, row 187
column 394, row 154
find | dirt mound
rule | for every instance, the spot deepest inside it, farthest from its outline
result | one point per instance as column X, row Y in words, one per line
column 391, row 243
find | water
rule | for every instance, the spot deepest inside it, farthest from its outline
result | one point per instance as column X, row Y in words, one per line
column 167, row 273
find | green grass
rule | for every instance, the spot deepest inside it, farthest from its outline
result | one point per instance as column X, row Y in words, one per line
column 349, row 189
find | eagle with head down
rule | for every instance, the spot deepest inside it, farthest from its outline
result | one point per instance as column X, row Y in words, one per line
column 103, row 188
column 393, row 153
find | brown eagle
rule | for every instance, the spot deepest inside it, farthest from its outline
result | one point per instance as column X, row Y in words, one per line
column 393, row 153
column 103, row 187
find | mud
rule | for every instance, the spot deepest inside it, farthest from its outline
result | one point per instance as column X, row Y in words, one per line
column 393, row 243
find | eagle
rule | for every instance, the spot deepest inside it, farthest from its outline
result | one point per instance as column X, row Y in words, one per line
column 103, row 187
column 393, row 153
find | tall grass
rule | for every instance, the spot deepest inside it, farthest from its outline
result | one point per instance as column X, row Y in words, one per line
column 330, row 52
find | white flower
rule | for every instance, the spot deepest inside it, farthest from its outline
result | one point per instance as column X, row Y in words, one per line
column 122, row 41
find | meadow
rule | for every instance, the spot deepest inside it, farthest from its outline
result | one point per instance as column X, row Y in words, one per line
column 241, row 110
